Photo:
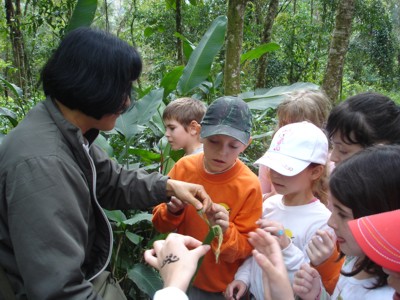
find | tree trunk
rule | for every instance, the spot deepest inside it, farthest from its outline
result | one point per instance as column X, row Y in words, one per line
column 338, row 49
column 178, row 22
column 291, row 46
column 266, row 38
column 234, row 41
column 13, row 16
column 106, row 15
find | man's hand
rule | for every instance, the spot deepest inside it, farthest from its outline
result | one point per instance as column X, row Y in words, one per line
column 189, row 193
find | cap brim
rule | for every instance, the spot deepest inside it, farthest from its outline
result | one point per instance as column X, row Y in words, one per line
column 285, row 165
column 210, row 130
column 377, row 237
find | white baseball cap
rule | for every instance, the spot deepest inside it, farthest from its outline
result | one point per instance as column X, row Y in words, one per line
column 294, row 147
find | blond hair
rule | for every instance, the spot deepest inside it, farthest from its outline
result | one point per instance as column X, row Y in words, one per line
column 304, row 105
column 312, row 106
column 185, row 110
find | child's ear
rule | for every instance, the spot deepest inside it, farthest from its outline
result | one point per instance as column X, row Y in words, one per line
column 317, row 172
column 194, row 128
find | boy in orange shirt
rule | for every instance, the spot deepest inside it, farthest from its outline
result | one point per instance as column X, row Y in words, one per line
column 225, row 133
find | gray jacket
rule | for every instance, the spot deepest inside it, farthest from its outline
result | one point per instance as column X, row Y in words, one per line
column 54, row 237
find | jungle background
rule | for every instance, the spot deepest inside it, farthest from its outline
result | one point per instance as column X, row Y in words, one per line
column 257, row 49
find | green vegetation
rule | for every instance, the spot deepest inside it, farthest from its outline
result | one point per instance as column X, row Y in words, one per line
column 297, row 58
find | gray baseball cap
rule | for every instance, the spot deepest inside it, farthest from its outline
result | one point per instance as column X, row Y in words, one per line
column 230, row 116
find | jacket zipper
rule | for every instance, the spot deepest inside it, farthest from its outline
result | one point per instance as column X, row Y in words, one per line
column 86, row 147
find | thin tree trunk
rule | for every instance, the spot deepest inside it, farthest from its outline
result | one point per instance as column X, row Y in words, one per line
column 234, row 41
column 106, row 13
column 13, row 16
column 291, row 46
column 178, row 21
column 266, row 38
column 338, row 49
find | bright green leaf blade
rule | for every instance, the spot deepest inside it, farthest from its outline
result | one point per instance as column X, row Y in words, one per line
column 259, row 51
column 138, row 218
column 115, row 215
column 148, row 31
column 146, row 278
column 17, row 91
column 156, row 123
column 134, row 238
column 188, row 46
column 170, row 80
column 11, row 116
column 145, row 154
column 132, row 122
column 199, row 64
column 83, row 14
column 171, row 4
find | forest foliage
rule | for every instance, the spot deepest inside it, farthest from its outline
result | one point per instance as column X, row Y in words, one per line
column 183, row 47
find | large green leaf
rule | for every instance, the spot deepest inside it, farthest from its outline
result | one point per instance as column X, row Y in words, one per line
column 102, row 142
column 170, row 80
column 259, row 51
column 144, row 216
column 133, row 237
column 271, row 98
column 199, row 65
column 83, row 14
column 132, row 122
column 11, row 116
column 115, row 215
column 146, row 278
column 188, row 46
column 146, row 155
column 17, row 91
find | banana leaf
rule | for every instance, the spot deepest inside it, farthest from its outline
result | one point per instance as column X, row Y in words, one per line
column 199, row 65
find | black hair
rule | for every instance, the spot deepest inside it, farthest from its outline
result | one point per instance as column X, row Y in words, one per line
column 366, row 119
column 368, row 183
column 91, row 71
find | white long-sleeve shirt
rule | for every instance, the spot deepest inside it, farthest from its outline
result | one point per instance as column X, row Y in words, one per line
column 301, row 223
column 170, row 293
column 352, row 288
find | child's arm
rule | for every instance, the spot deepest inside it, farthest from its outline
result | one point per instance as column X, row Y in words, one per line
column 268, row 255
column 293, row 256
column 165, row 221
column 307, row 284
column 238, row 287
column 168, row 216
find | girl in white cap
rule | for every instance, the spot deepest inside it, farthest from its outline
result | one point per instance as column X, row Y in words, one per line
column 296, row 158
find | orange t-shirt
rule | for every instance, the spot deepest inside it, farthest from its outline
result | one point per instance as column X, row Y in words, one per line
column 239, row 191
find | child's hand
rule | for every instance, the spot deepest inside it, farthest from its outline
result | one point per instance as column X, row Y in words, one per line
column 320, row 247
column 235, row 290
column 268, row 255
column 175, row 206
column 218, row 215
column 307, row 283
column 276, row 229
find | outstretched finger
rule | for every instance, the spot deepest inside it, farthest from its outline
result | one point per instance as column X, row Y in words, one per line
column 151, row 258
